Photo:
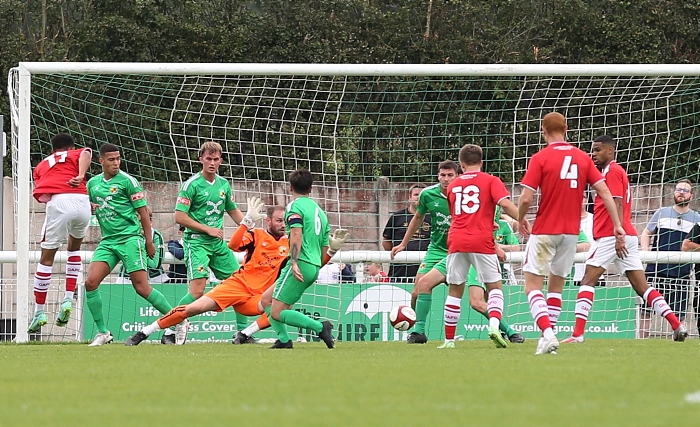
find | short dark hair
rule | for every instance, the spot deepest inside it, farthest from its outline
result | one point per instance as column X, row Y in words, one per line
column 449, row 164
column 62, row 141
column 301, row 181
column 108, row 148
column 272, row 209
column 471, row 155
column 685, row 181
column 606, row 140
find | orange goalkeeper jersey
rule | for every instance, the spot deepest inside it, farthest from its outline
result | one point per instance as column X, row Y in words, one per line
column 265, row 256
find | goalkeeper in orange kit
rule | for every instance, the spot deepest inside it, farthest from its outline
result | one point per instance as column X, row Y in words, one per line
column 266, row 253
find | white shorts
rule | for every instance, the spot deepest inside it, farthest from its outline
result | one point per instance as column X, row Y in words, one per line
column 602, row 254
column 487, row 266
column 66, row 214
column 550, row 253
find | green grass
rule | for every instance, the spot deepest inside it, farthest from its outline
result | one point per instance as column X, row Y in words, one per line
column 599, row 383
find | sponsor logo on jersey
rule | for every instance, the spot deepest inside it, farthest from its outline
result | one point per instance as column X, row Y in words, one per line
column 137, row 196
column 183, row 200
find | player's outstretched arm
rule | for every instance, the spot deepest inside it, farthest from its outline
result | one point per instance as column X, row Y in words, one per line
column 335, row 242
column 254, row 212
column 413, row 226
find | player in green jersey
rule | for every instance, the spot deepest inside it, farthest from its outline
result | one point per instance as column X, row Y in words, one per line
column 310, row 247
column 116, row 198
column 201, row 204
column 432, row 199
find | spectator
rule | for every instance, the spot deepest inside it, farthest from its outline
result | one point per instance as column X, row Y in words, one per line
column 177, row 272
column 375, row 273
column 691, row 243
column 669, row 225
column 395, row 230
column 346, row 273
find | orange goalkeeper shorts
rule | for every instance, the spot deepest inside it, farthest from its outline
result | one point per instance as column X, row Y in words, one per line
column 232, row 292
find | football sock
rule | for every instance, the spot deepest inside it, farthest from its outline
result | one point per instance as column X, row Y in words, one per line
column 241, row 321
column 538, row 308
column 584, row 302
column 74, row 266
column 279, row 327
column 187, row 299
column 94, row 303
column 42, row 280
column 300, row 320
column 158, row 301
column 423, row 304
column 173, row 317
column 263, row 322
column 553, row 307
column 503, row 326
column 254, row 327
column 153, row 327
column 495, row 307
column 654, row 299
column 452, row 312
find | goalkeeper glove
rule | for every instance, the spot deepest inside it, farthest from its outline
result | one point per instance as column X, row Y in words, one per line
column 255, row 206
column 336, row 240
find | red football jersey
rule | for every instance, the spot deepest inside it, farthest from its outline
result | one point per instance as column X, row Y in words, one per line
column 619, row 185
column 472, row 198
column 561, row 172
column 52, row 174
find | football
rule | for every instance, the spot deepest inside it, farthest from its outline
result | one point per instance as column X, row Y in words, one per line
column 402, row 317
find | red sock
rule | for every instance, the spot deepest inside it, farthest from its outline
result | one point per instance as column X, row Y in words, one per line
column 42, row 280
column 553, row 307
column 538, row 308
column 656, row 300
column 584, row 302
column 452, row 313
column 73, row 267
column 495, row 304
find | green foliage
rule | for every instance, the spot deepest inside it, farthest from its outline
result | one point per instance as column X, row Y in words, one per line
column 363, row 31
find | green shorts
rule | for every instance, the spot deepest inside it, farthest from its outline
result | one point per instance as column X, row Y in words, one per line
column 432, row 257
column 288, row 289
column 442, row 267
column 200, row 256
column 131, row 252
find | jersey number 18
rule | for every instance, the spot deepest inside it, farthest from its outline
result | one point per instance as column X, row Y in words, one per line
column 465, row 196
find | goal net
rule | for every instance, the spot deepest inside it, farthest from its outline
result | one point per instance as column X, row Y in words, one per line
column 367, row 133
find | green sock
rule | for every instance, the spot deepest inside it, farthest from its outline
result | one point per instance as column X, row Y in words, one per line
column 423, row 304
column 186, row 300
column 241, row 321
column 94, row 303
column 158, row 301
column 503, row 326
column 279, row 327
column 300, row 320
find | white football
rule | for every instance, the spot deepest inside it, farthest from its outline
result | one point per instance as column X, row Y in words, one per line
column 402, row 317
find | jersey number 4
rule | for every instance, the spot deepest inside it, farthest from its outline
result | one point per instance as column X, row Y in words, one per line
column 569, row 171
column 57, row 157
column 464, row 197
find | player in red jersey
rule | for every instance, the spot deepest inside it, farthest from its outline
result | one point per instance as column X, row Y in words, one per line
column 603, row 252
column 59, row 181
column 561, row 172
column 472, row 198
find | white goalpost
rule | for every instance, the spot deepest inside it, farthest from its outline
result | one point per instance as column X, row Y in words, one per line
column 367, row 132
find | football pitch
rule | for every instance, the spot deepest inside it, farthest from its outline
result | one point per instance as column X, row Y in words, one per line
column 598, row 383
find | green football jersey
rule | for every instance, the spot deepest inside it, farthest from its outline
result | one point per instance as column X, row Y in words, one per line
column 117, row 200
column 205, row 202
column 505, row 235
column 305, row 213
column 432, row 200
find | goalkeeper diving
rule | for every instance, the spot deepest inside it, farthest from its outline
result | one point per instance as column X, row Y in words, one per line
column 266, row 253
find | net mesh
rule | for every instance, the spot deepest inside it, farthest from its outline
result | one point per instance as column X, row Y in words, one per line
column 366, row 139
